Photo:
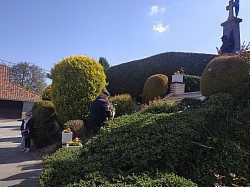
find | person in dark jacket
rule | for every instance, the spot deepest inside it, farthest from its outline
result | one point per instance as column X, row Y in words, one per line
column 99, row 112
column 27, row 128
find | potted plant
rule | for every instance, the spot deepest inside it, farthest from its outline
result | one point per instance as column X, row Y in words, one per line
column 74, row 144
column 66, row 135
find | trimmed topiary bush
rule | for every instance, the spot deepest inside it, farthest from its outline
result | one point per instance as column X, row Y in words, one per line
column 155, row 86
column 46, row 94
column 224, row 74
column 77, row 80
column 124, row 104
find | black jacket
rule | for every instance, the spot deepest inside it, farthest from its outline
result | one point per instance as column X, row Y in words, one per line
column 99, row 111
column 29, row 127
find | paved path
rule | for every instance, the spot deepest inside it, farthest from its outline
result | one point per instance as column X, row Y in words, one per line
column 17, row 169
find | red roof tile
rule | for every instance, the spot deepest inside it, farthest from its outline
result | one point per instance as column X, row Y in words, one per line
column 11, row 91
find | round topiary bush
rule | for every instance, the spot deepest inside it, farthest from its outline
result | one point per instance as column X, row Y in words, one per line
column 46, row 94
column 224, row 74
column 155, row 86
column 76, row 81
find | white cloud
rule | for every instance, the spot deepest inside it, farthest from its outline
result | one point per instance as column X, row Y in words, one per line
column 156, row 9
column 159, row 27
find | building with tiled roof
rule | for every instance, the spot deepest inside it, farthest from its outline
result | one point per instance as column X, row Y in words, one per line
column 14, row 100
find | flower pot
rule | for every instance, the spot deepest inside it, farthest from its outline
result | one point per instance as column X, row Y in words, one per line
column 74, row 147
column 66, row 137
column 177, row 78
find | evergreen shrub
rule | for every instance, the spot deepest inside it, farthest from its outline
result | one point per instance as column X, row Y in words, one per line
column 225, row 74
column 130, row 77
column 124, row 104
column 143, row 180
column 160, row 106
column 47, row 127
column 155, row 86
column 61, row 168
column 222, row 143
column 193, row 144
column 77, row 81
column 188, row 104
column 192, row 83
column 46, row 94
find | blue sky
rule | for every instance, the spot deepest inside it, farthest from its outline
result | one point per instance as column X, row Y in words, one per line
column 46, row 31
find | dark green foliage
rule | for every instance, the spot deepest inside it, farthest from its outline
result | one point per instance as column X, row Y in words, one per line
column 68, row 161
column 61, row 169
column 47, row 127
column 130, row 77
column 225, row 74
column 192, row 83
column 103, row 61
column 143, row 180
column 222, row 144
column 46, row 94
column 213, row 137
column 155, row 86
column 159, row 106
column 124, row 104
column 188, row 104
column 77, row 80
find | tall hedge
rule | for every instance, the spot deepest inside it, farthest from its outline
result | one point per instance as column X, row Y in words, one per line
column 224, row 74
column 76, row 81
column 130, row 77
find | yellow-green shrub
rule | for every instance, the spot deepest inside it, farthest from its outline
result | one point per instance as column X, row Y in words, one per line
column 76, row 81
column 155, row 86
column 46, row 94
column 224, row 74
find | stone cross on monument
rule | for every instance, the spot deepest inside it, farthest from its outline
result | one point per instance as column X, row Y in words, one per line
column 231, row 30
column 230, row 9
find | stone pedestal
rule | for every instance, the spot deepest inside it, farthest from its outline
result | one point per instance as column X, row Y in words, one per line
column 233, row 23
column 177, row 88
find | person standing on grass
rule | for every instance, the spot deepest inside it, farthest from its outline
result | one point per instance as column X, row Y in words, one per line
column 27, row 128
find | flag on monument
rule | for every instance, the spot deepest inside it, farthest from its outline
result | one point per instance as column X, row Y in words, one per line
column 237, row 7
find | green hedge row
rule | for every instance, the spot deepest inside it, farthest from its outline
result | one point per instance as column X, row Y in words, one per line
column 131, row 76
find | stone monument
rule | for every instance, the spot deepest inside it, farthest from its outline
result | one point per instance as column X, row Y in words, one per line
column 231, row 30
